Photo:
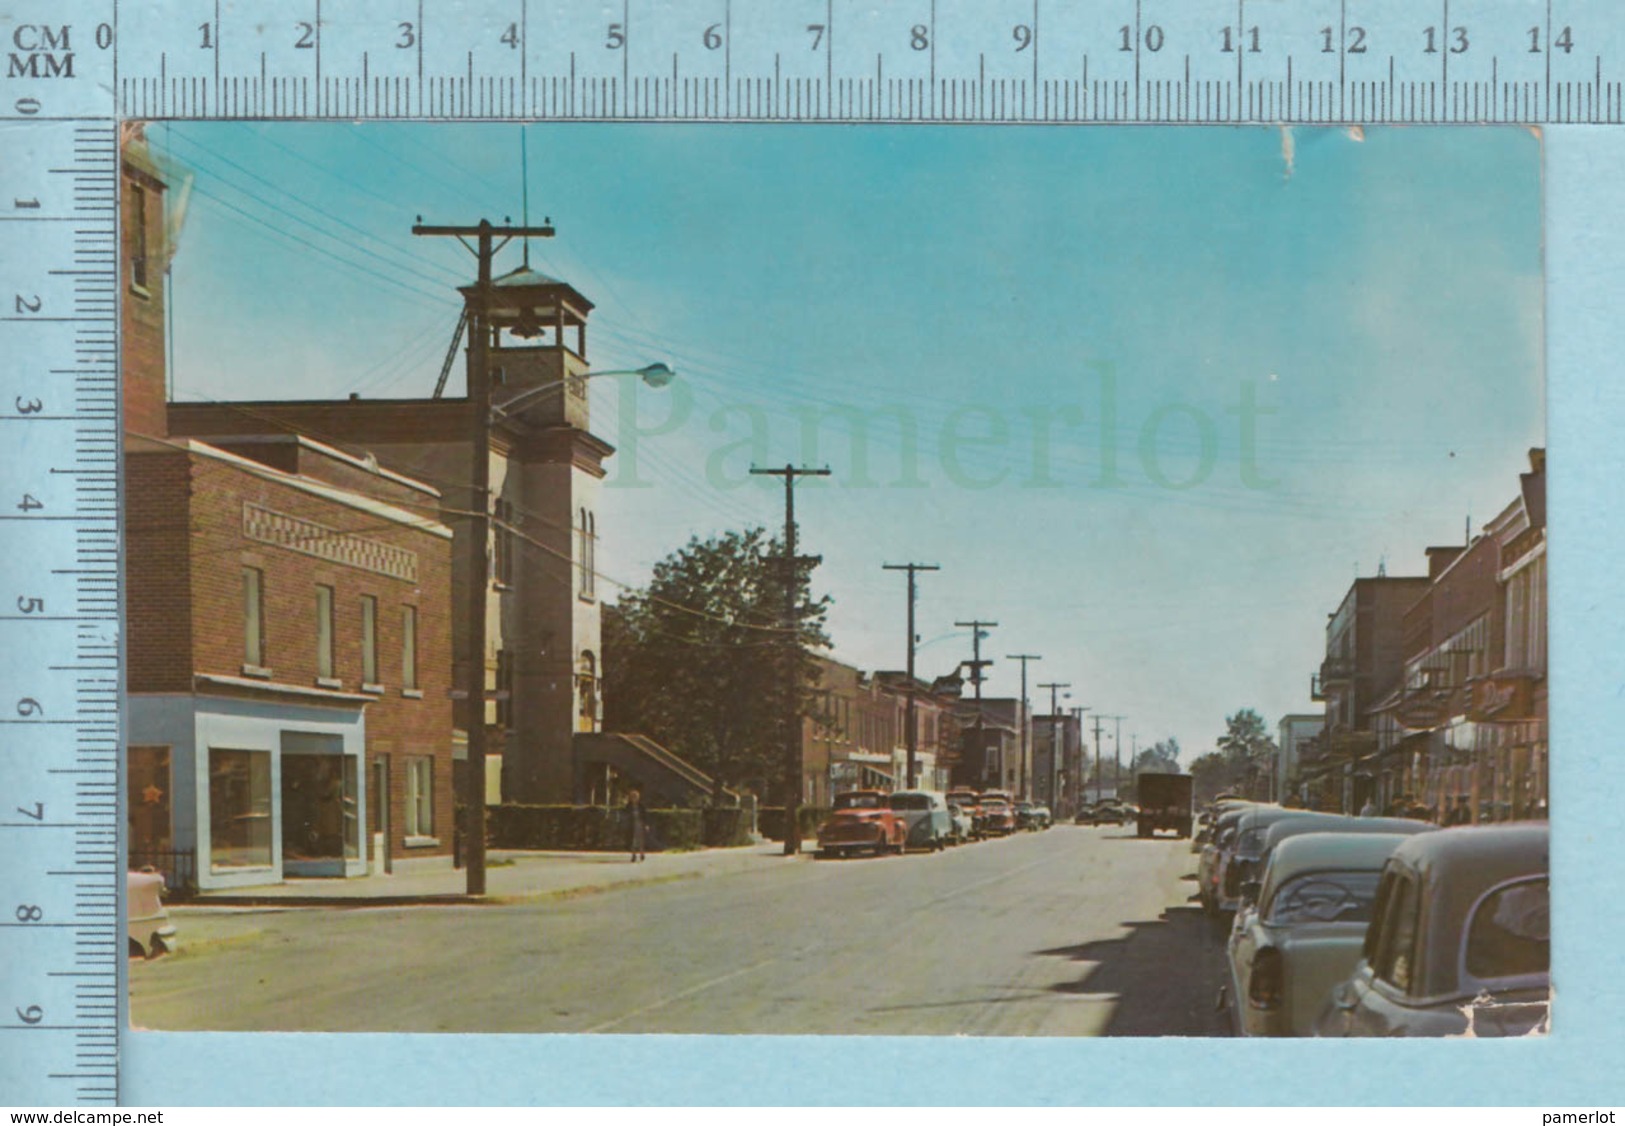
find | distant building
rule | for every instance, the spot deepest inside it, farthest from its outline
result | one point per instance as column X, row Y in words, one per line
column 1292, row 734
column 1364, row 661
column 1058, row 771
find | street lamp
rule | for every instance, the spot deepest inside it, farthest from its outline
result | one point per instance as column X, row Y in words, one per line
column 655, row 375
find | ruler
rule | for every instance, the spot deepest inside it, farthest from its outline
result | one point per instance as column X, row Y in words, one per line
column 60, row 882
column 72, row 69
column 983, row 61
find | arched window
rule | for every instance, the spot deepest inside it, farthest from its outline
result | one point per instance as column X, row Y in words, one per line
column 587, row 692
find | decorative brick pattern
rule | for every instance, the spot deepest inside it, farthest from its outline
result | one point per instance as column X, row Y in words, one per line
column 311, row 538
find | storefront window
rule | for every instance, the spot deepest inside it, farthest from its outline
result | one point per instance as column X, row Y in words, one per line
column 148, row 792
column 320, row 814
column 239, row 808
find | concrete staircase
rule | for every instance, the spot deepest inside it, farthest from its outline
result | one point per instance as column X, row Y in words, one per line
column 665, row 778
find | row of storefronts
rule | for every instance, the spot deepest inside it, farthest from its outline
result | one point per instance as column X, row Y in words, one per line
column 1435, row 686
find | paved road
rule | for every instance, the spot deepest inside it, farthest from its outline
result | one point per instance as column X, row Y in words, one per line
column 1075, row 931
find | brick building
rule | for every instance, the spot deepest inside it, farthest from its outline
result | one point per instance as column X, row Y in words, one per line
column 1464, row 732
column 857, row 734
column 288, row 632
column 1365, row 655
column 543, row 656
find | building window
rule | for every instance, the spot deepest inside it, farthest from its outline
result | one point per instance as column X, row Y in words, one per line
column 584, row 554
column 138, row 238
column 253, row 616
column 420, row 797
column 504, row 690
column 369, row 639
column 504, row 545
column 239, row 808
column 587, row 692
column 324, row 632
column 409, row 647
column 592, row 555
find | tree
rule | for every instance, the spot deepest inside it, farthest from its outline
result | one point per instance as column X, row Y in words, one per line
column 1210, row 775
column 1249, row 753
column 1161, row 757
column 700, row 660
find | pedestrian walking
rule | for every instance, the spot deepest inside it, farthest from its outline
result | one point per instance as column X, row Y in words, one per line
column 635, row 823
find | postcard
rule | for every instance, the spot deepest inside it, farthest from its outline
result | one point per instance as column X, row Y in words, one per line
column 836, row 581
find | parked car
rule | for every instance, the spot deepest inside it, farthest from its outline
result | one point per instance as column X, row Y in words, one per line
column 149, row 930
column 1042, row 817
column 1210, row 869
column 998, row 815
column 1312, row 823
column 1459, row 942
column 963, row 822
column 1111, row 812
column 926, row 823
column 1314, row 904
column 861, row 820
column 1026, row 815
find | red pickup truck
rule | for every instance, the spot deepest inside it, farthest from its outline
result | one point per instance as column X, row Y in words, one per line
column 862, row 820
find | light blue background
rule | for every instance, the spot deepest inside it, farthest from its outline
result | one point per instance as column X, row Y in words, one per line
column 1578, row 1064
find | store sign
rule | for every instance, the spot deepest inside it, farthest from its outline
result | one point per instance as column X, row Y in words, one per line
column 1502, row 698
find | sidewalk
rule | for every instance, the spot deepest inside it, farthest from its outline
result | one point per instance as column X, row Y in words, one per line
column 510, row 876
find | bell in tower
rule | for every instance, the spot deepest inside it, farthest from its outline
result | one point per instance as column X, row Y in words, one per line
column 538, row 348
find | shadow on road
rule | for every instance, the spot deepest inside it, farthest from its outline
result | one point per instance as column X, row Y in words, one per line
column 1166, row 975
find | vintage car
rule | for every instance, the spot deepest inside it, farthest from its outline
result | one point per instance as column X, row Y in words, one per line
column 1210, row 869
column 1310, row 823
column 1042, row 817
column 964, row 822
column 1026, row 815
column 1304, row 937
column 998, row 814
column 926, row 823
column 150, row 933
column 861, row 820
column 1459, row 942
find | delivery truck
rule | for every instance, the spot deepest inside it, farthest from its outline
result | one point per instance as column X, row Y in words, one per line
column 1165, row 803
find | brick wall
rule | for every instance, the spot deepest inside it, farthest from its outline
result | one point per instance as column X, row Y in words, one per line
column 142, row 319
column 158, row 563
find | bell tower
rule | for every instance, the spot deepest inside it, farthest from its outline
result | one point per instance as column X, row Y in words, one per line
column 537, row 351
column 544, row 616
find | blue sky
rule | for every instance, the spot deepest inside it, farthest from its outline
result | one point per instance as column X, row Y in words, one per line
column 1055, row 343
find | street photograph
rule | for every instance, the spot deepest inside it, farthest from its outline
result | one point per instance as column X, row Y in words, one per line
column 835, row 580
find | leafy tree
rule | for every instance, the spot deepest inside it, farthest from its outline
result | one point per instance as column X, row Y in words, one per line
column 1161, row 757
column 1243, row 762
column 701, row 662
column 1211, row 776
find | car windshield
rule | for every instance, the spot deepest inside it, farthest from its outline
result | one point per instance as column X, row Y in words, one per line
column 996, row 804
column 1510, row 935
column 857, row 801
column 910, row 801
column 1325, row 897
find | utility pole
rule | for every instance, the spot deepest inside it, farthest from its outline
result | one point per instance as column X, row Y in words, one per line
column 913, row 735
column 1054, row 734
column 1021, row 787
column 792, row 641
column 484, row 250
column 1097, row 759
column 1077, row 763
column 976, row 666
column 1117, row 758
